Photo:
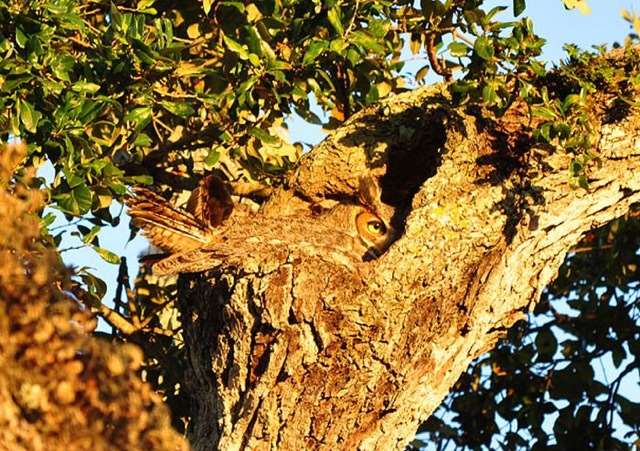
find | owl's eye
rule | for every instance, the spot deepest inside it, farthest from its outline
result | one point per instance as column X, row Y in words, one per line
column 376, row 227
column 370, row 227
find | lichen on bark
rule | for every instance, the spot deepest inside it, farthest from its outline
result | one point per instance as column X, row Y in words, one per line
column 61, row 388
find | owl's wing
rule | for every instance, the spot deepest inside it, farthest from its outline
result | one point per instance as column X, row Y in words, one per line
column 249, row 253
column 234, row 251
column 211, row 202
column 167, row 227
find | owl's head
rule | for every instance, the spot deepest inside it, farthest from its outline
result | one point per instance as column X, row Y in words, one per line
column 364, row 217
column 374, row 222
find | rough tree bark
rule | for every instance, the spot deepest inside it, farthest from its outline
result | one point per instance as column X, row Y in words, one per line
column 296, row 353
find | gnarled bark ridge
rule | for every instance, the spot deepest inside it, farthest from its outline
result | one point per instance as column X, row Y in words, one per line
column 296, row 352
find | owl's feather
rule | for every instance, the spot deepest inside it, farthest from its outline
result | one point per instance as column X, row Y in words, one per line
column 169, row 228
column 210, row 202
column 195, row 260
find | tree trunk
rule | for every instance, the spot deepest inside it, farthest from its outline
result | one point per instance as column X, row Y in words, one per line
column 299, row 353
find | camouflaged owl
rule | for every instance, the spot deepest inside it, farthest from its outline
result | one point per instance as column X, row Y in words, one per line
column 212, row 231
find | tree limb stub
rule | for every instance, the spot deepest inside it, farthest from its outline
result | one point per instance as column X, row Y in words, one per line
column 297, row 352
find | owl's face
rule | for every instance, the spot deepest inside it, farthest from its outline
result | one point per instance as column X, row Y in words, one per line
column 369, row 229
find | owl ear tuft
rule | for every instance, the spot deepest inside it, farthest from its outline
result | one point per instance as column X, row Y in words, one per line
column 369, row 192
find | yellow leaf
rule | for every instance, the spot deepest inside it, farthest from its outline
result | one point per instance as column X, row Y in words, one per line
column 384, row 88
column 193, row 31
column 580, row 5
column 186, row 68
column 415, row 45
column 176, row 134
column 206, row 5
column 253, row 13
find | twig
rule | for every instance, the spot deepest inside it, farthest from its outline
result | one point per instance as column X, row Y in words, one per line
column 353, row 18
column 433, row 57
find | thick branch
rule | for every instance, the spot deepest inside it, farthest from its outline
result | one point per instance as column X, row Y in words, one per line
column 298, row 352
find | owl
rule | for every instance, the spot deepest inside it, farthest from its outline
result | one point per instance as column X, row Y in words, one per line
column 212, row 231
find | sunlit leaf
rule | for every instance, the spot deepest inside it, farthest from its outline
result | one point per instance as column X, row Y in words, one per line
column 107, row 255
column 484, row 47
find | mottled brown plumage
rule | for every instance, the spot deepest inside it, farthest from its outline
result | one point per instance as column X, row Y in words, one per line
column 210, row 202
column 214, row 234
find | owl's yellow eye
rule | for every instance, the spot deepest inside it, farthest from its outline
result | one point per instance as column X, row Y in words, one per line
column 370, row 227
column 376, row 227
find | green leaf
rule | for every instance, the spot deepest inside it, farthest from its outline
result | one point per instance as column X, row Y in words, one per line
column 255, row 60
column 139, row 114
column 88, row 237
column 518, row 7
column 179, row 109
column 458, row 49
column 263, row 136
column 543, row 112
column 77, row 201
column 338, row 45
column 29, row 116
column 489, row 95
column 118, row 188
column 484, row 48
column 569, row 101
column 368, row 42
column 142, row 140
column 47, row 220
column 61, row 66
column 545, row 131
column 107, row 255
column 95, row 286
column 12, row 82
column 236, row 48
column 583, row 182
column 432, row 9
column 21, row 38
column 85, row 87
column 335, row 19
column 145, row 4
column 72, row 179
column 314, row 50
column 537, row 67
column 576, row 167
column 142, row 179
column 254, row 41
column 212, row 157
column 237, row 5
